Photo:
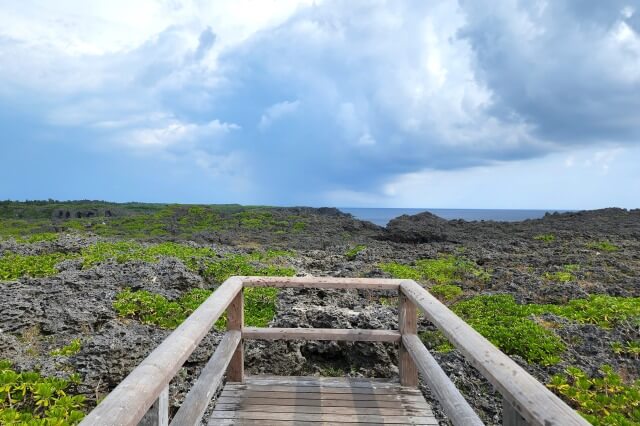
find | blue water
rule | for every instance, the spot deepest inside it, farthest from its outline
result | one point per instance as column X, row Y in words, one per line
column 382, row 216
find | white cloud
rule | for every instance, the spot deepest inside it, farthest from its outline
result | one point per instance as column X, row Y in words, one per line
column 276, row 112
column 174, row 133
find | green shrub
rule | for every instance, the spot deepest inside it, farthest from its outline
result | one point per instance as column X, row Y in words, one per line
column 447, row 292
column 564, row 276
column 68, row 350
column 398, row 270
column 436, row 341
column 547, row 238
column 603, row 246
column 605, row 400
column 14, row 266
column 155, row 309
column 631, row 348
column 241, row 265
column 443, row 270
column 36, row 238
column 353, row 252
column 508, row 326
column 27, row 398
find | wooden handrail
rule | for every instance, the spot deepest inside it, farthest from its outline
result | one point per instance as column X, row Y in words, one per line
column 131, row 399
column 340, row 334
column 535, row 403
column 525, row 398
column 196, row 401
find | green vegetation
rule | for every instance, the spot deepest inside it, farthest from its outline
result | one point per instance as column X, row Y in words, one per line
column 14, row 266
column 353, row 252
column 155, row 309
column 443, row 270
column 603, row 246
column 511, row 327
column 198, row 259
column 36, row 238
column 27, row 398
column 508, row 326
column 446, row 292
column 563, row 276
column 70, row 349
column 436, row 341
column 605, row 400
column 631, row 348
column 547, row 238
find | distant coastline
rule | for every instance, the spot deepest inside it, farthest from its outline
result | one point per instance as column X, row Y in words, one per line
column 382, row 216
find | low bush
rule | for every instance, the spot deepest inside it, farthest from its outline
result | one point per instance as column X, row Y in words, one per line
column 603, row 246
column 68, row 350
column 446, row 292
column 443, row 270
column 547, row 238
column 352, row 253
column 14, row 266
column 27, row 398
column 604, row 400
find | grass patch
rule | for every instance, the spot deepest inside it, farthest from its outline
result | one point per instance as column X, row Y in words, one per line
column 14, row 266
column 510, row 326
column 68, row 350
column 436, row 341
column 604, row 400
column 446, row 292
column 155, row 309
column 37, row 238
column 547, row 238
column 604, row 245
column 352, row 253
column 238, row 264
column 27, row 398
column 443, row 270
column 507, row 325
column 565, row 275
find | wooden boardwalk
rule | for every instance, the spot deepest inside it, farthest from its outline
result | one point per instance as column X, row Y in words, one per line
column 142, row 398
column 272, row 400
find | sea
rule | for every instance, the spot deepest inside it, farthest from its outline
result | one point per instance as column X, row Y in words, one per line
column 382, row 216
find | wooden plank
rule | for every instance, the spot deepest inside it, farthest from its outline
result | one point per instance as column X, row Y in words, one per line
column 322, row 282
column 334, row 418
column 396, row 411
column 158, row 414
column 510, row 417
column 235, row 321
column 196, row 401
column 529, row 397
column 131, row 399
column 321, row 381
column 322, row 389
column 342, row 402
column 408, row 323
column 245, row 422
column 345, row 334
column 320, row 396
column 453, row 403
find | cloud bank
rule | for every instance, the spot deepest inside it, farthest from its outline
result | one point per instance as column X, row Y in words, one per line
column 316, row 102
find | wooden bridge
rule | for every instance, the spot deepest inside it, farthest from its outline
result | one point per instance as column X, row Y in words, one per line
column 143, row 396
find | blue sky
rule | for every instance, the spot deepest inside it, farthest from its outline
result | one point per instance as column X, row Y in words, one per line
column 445, row 103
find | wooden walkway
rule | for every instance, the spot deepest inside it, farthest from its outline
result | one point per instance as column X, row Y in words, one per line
column 272, row 400
column 142, row 398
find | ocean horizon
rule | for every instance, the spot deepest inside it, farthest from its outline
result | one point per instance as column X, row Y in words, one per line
column 382, row 215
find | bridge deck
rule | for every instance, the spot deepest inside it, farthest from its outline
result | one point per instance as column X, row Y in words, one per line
column 276, row 400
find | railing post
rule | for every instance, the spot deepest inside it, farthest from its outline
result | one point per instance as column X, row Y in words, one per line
column 235, row 321
column 158, row 414
column 408, row 324
column 510, row 417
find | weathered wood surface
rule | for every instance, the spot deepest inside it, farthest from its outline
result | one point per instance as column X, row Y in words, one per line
column 453, row 403
column 130, row 400
column 197, row 400
column 308, row 401
column 352, row 335
column 510, row 417
column 408, row 323
column 529, row 397
column 323, row 282
column 158, row 414
column 235, row 322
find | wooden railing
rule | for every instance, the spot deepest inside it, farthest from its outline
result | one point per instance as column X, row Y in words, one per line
column 142, row 397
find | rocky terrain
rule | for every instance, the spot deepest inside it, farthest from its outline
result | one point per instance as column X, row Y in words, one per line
column 549, row 261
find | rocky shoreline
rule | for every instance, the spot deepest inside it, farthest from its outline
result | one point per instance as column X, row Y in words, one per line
column 521, row 259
